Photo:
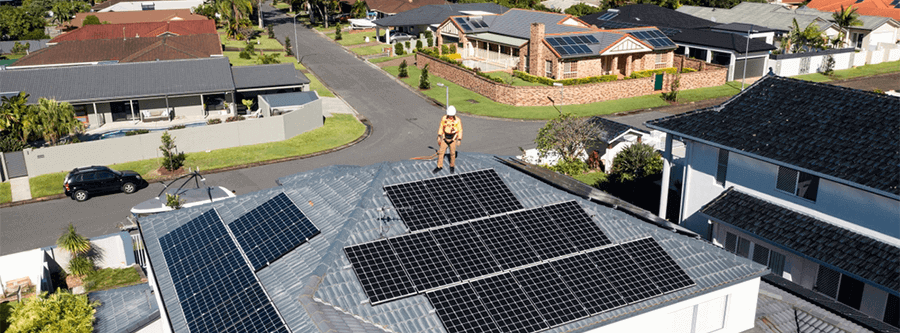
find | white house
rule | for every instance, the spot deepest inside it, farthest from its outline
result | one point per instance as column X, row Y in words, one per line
column 803, row 177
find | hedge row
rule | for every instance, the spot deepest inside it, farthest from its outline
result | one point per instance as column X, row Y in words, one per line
column 567, row 82
column 651, row 72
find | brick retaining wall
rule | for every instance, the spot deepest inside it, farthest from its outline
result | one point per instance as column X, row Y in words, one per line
column 576, row 94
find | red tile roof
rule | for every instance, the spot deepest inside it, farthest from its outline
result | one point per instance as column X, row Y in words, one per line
column 126, row 50
column 399, row 6
column 143, row 29
column 881, row 8
column 140, row 16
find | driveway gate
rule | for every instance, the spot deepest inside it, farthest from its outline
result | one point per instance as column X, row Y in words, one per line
column 15, row 164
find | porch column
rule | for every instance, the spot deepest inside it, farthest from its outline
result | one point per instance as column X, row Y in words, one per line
column 171, row 116
column 628, row 65
column 131, row 104
column 614, row 68
column 203, row 107
column 96, row 114
column 667, row 170
column 440, row 42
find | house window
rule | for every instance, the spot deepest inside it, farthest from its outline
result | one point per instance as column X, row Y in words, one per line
column 797, row 183
column 722, row 169
column 827, row 281
column 570, row 69
column 549, row 68
column 743, row 248
column 661, row 60
column 760, row 254
column 850, row 292
column 701, row 318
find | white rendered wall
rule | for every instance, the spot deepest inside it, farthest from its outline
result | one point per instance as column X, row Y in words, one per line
column 740, row 312
column 18, row 265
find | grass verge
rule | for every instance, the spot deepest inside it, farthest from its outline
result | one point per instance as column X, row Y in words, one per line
column 109, row 278
column 470, row 102
column 383, row 59
column 5, row 192
column 369, row 50
column 315, row 84
column 282, row 6
column 348, row 39
column 264, row 41
column 338, row 130
column 5, row 311
column 861, row 71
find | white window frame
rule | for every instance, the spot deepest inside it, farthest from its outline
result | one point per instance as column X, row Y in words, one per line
column 694, row 309
column 548, row 68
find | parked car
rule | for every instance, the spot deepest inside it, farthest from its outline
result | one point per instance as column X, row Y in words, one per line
column 82, row 183
column 396, row 36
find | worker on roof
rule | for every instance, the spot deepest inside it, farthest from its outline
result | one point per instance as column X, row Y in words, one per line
column 450, row 134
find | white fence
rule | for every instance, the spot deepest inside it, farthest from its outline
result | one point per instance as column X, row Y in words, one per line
column 497, row 58
column 798, row 64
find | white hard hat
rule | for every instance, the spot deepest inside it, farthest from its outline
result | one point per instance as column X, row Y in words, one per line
column 451, row 110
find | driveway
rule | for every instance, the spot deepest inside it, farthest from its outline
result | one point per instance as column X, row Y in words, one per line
column 404, row 127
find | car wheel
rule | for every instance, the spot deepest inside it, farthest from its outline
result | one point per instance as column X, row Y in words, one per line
column 80, row 195
column 129, row 188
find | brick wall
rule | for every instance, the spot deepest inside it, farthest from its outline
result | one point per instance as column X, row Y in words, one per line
column 592, row 67
column 578, row 94
column 681, row 61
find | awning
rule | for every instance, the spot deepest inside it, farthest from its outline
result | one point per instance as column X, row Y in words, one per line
column 499, row 39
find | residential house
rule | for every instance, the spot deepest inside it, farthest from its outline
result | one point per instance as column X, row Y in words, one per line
column 803, row 177
column 360, row 249
column 135, row 30
column 883, row 8
column 110, row 93
column 554, row 45
column 124, row 50
column 139, row 16
column 696, row 37
column 385, row 8
column 872, row 34
column 6, row 46
column 132, row 6
column 428, row 18
column 616, row 137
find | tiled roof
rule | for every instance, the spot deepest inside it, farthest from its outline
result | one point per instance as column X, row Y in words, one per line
column 762, row 14
column 118, row 81
column 278, row 75
column 517, row 23
column 779, row 311
column 881, row 8
column 724, row 40
column 140, row 16
column 125, row 309
column 345, row 203
column 399, row 6
column 854, row 253
column 126, row 50
column 435, row 14
column 142, row 29
column 845, row 133
column 611, row 129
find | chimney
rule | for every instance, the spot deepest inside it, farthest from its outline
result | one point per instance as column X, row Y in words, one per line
column 535, row 50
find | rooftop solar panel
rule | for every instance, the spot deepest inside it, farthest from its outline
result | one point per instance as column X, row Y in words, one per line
column 608, row 15
column 379, row 271
column 492, row 193
column 542, row 234
column 549, row 294
column 508, row 305
column 465, row 251
column 423, row 260
column 553, row 42
column 457, row 202
column 624, row 274
column 561, row 50
column 504, row 241
column 592, row 39
column 271, row 230
column 415, row 205
column 569, row 40
column 588, row 284
column 659, row 266
column 578, row 227
column 461, row 311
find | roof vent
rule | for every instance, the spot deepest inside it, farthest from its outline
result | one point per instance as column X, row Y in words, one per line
column 712, row 18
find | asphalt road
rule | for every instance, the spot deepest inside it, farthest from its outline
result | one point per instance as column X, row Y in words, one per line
column 403, row 127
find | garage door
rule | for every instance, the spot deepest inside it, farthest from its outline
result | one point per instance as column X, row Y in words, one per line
column 756, row 67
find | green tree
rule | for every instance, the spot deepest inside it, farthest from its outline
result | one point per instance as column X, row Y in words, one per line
column 337, row 32
column 635, row 162
column 358, row 10
column 582, row 9
column 60, row 312
column 287, row 46
column 172, row 159
column 57, row 120
column 17, row 23
column 234, row 14
column 805, row 39
column 73, row 242
column 845, row 18
column 403, row 69
column 567, row 136
column 17, row 117
column 63, row 11
column 266, row 59
column 423, row 79
column 91, row 20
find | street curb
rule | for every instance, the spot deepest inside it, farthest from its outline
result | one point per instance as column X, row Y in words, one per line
column 366, row 134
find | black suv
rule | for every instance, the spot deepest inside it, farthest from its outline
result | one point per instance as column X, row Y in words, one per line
column 81, row 183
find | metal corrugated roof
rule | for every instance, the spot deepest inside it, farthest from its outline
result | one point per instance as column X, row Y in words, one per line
column 435, row 14
column 755, row 13
column 124, row 309
column 517, row 23
column 290, row 99
column 248, row 77
column 492, row 37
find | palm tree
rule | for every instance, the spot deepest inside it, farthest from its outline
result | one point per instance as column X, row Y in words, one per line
column 845, row 18
column 56, row 120
column 234, row 12
column 72, row 242
column 17, row 117
column 358, row 10
column 805, row 39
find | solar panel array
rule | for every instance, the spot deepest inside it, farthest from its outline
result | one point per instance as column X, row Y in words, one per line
column 554, row 293
column 654, row 37
column 438, row 201
column 608, row 15
column 470, row 24
column 271, row 230
column 463, row 24
column 434, row 258
column 572, row 45
column 216, row 288
column 627, row 25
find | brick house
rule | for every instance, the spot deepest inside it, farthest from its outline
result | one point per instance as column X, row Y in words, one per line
column 553, row 45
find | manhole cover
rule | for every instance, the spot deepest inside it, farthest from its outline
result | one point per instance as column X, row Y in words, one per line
column 472, row 101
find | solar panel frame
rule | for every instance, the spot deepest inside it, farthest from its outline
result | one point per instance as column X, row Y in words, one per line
column 460, row 310
column 423, row 260
column 507, row 245
column 577, row 225
column 561, row 51
column 549, row 294
column 508, row 304
column 588, row 283
column 466, row 251
column 569, row 40
column 553, row 42
column 379, row 271
column 569, row 49
column 271, row 230
column 665, row 273
column 592, row 39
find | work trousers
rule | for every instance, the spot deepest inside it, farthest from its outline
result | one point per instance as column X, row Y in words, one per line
column 444, row 145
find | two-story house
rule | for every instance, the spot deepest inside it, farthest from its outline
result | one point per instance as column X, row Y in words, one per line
column 803, row 177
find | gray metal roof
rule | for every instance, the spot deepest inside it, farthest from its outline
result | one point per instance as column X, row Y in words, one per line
column 435, row 14
column 868, row 22
column 290, row 99
column 33, row 45
column 125, row 309
column 249, row 77
column 344, row 202
column 121, row 81
column 762, row 14
column 517, row 23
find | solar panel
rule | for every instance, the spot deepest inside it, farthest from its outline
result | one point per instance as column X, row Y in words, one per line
column 608, row 15
column 560, row 41
column 624, row 274
column 569, row 40
column 584, row 49
column 271, row 230
column 415, row 205
column 659, row 266
column 588, row 284
column 578, row 227
column 492, row 193
column 379, row 271
column 508, row 305
column 504, row 241
column 423, row 260
column 460, row 310
column 549, row 294
column 592, row 39
column 215, row 286
column 561, row 51
column 543, row 235
column 654, row 38
column 553, row 42
column 457, row 202
column 465, row 251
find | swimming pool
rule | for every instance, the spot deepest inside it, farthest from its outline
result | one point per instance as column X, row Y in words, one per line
column 121, row 132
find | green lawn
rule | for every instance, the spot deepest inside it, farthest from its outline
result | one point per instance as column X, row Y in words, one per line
column 369, row 50
column 592, row 178
column 338, row 130
column 13, row 56
column 318, row 26
column 264, row 41
column 5, row 192
column 235, row 59
column 693, row 95
column 5, row 309
column 383, row 59
column 867, row 70
column 282, row 5
column 353, row 39
column 315, row 84
column 109, row 278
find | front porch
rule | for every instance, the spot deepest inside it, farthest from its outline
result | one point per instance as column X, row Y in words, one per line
column 492, row 51
column 165, row 111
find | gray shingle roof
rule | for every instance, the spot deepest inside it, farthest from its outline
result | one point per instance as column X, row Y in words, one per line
column 248, row 77
column 124, row 310
column 344, row 202
column 779, row 311
column 868, row 22
column 848, row 134
column 435, row 14
column 852, row 252
column 611, row 129
column 517, row 23
column 131, row 80
column 755, row 13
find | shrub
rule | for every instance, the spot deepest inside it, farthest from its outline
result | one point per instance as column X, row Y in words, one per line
column 452, row 48
column 136, row 132
column 398, row 49
column 829, row 65
column 408, row 45
column 486, row 76
column 8, row 143
column 271, row 31
column 403, row 69
column 429, row 34
column 571, row 167
column 637, row 161
column 423, row 79
column 567, row 82
column 429, row 40
column 174, row 201
column 672, row 95
column 58, row 312
column 244, row 55
column 250, row 48
column 214, row 121
column 91, row 20
column 878, row 91
column 651, row 72
column 419, row 44
column 81, row 265
column 19, row 48
column 172, row 160
column 445, row 49
column 287, row 46
column 234, row 118
column 452, row 56
column 688, row 70
column 177, row 127
column 337, row 32
column 266, row 59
